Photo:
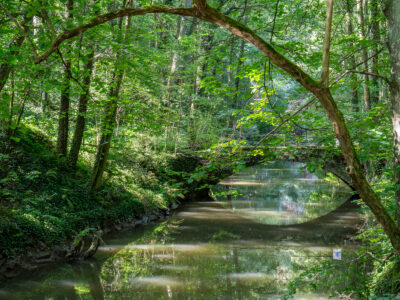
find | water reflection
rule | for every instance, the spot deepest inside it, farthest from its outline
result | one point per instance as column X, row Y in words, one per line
column 206, row 251
column 281, row 193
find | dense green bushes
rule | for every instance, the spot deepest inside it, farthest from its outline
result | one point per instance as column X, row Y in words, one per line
column 42, row 201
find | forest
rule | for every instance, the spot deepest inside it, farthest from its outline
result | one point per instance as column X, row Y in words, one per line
column 115, row 112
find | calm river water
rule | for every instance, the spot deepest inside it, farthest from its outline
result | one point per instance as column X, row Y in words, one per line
column 270, row 225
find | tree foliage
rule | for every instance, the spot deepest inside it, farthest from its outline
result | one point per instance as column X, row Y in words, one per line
column 97, row 76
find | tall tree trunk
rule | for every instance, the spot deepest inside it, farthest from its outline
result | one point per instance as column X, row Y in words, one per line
column 364, row 54
column 108, row 126
column 355, row 105
column 235, row 103
column 82, row 108
column 228, row 99
column 392, row 12
column 109, row 122
column 235, row 98
column 196, row 88
column 375, row 53
column 83, row 101
column 327, row 44
column 63, row 118
column 174, row 62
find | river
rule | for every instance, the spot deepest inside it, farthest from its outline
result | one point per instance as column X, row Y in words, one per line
column 269, row 225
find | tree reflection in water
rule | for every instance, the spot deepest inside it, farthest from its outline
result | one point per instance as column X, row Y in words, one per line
column 281, row 193
column 211, row 250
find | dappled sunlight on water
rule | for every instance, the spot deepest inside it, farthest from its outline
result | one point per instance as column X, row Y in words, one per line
column 229, row 249
column 275, row 195
column 156, row 281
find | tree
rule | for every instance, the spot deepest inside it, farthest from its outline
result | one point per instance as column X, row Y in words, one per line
column 63, row 118
column 83, row 102
column 109, row 122
column 202, row 10
column 82, row 109
column 392, row 12
column 375, row 29
column 352, row 60
column 364, row 53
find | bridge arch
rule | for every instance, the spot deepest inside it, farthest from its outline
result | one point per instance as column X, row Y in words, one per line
column 329, row 161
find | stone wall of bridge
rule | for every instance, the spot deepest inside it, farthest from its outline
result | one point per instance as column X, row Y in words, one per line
column 331, row 161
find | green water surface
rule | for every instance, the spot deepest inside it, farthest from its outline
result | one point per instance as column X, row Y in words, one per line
column 251, row 246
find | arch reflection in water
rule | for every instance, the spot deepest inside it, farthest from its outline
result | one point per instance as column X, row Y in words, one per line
column 281, row 193
column 205, row 251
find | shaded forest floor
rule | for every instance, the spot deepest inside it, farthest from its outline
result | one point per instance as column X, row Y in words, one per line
column 45, row 203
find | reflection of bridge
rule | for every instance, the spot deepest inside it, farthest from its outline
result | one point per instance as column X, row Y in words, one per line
column 331, row 160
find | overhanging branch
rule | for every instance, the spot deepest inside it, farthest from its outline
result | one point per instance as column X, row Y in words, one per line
column 126, row 12
column 202, row 11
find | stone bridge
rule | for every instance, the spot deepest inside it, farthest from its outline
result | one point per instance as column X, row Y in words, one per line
column 331, row 160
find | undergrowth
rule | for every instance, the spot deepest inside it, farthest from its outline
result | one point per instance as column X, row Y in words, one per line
column 45, row 203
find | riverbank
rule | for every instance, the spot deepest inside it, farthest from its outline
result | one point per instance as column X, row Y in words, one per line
column 82, row 246
column 209, row 250
column 47, row 214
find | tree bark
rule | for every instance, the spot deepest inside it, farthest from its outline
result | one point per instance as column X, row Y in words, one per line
column 63, row 116
column 103, row 148
column 82, row 108
column 109, row 122
column 235, row 103
column 174, row 62
column 375, row 51
column 191, row 129
column 83, row 101
column 327, row 44
column 364, row 54
column 392, row 12
column 355, row 105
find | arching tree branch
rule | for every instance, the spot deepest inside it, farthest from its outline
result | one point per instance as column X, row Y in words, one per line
column 68, row 34
column 203, row 11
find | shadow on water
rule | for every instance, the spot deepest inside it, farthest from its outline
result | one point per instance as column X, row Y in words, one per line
column 218, row 250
